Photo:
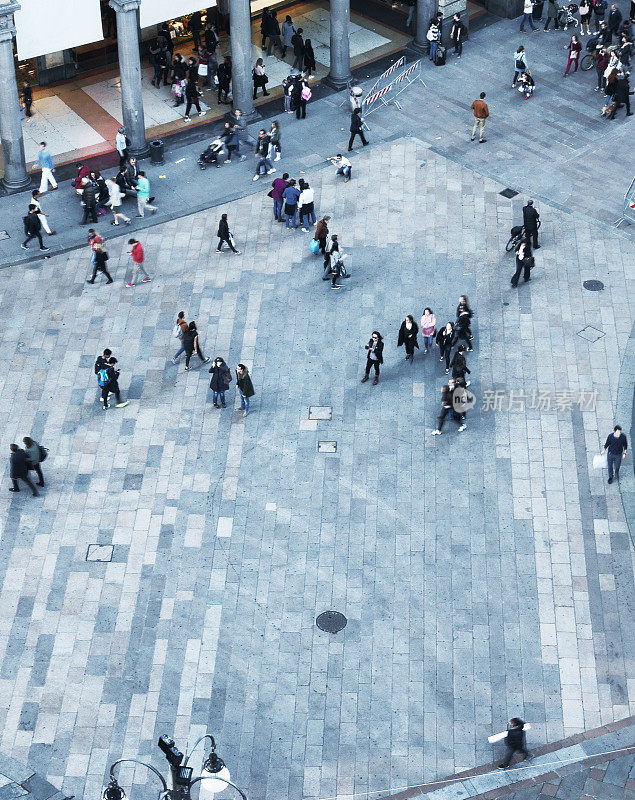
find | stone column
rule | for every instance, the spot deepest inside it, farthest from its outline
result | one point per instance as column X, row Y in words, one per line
column 130, row 74
column 16, row 177
column 340, row 72
column 240, row 41
column 426, row 9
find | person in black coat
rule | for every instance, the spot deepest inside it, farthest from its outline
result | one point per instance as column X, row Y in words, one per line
column 408, row 336
column 357, row 128
column 273, row 32
column 530, row 222
column 621, row 97
column 524, row 262
column 219, row 383
column 111, row 386
column 99, row 264
column 89, row 201
column 515, row 741
column 298, row 50
column 374, row 356
column 32, row 228
column 191, row 95
column 224, row 75
column 224, row 235
column 445, row 337
column 20, row 470
column 459, row 367
column 309, row 58
column 191, row 343
column 462, row 326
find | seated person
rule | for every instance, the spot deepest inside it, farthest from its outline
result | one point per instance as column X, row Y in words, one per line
column 527, row 84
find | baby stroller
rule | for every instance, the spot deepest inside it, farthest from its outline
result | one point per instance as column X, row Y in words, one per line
column 566, row 18
column 211, row 155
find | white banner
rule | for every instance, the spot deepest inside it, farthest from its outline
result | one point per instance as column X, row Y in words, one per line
column 155, row 11
column 46, row 26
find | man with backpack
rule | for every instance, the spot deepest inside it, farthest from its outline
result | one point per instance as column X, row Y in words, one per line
column 434, row 37
column 32, row 228
column 107, row 378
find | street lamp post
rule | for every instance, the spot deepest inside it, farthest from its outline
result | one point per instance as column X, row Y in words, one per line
column 214, row 775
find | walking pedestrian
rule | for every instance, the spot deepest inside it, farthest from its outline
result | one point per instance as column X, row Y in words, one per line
column 309, row 59
column 356, row 128
column 108, row 380
column 264, row 26
column 574, row 47
column 459, row 368
column 191, row 343
column 180, row 329
column 220, row 380
column 481, row 113
column 298, row 50
column 447, row 407
column 552, row 14
column 137, row 257
column 520, row 64
column 445, row 338
column 259, row 78
column 196, row 26
column 274, row 141
column 262, row 154
column 32, row 228
column 35, row 200
column 101, row 362
column 524, row 262
column 530, row 222
column 93, row 239
column 278, row 187
column 408, row 336
column 528, row 10
column 374, row 356
column 615, row 448
column 273, row 30
column 241, row 130
column 19, row 470
column 245, row 387
column 428, row 329
column 515, row 741
column 34, row 453
column 192, row 98
column 27, row 98
column 458, row 32
column 291, row 196
column 45, row 161
column 99, row 264
column 306, row 209
column 115, row 197
column 622, row 96
column 121, row 145
column 321, row 233
column 462, row 325
column 288, row 32
column 336, row 264
column 224, row 235
column 143, row 195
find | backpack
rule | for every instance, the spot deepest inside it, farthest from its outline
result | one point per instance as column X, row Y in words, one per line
column 43, row 453
column 306, row 93
column 102, row 378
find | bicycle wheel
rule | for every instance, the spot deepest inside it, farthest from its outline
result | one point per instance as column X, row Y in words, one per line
column 587, row 62
column 511, row 244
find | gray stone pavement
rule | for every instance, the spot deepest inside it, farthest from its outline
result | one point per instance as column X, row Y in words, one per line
column 483, row 574
column 555, row 146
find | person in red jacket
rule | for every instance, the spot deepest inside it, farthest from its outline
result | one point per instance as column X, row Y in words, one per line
column 574, row 47
column 137, row 256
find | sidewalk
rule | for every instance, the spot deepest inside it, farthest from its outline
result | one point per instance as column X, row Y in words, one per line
column 19, row 780
column 553, row 147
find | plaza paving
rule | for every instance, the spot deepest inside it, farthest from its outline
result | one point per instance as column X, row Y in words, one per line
column 483, row 574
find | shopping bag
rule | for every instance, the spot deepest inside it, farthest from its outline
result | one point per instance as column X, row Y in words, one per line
column 314, row 245
column 202, row 70
column 600, row 462
column 498, row 737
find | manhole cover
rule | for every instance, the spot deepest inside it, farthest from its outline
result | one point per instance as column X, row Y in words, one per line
column 99, row 552
column 593, row 286
column 320, row 412
column 331, row 621
column 591, row 334
column 327, row 447
column 508, row 193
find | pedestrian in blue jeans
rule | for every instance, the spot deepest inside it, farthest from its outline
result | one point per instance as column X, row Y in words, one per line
column 528, row 10
column 219, row 383
column 291, row 195
column 245, row 387
column 615, row 448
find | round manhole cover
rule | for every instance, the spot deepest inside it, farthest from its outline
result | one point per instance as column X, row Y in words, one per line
column 331, row 621
column 593, row 286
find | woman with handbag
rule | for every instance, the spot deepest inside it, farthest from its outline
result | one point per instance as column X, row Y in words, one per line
column 520, row 64
column 190, row 344
column 260, row 78
column 524, row 262
column 219, row 383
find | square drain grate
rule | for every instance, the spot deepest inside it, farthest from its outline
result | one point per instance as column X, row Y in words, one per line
column 508, row 193
column 327, row 447
column 99, row 552
column 320, row 412
column 591, row 334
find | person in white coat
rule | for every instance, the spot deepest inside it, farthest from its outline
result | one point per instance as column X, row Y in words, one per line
column 121, row 143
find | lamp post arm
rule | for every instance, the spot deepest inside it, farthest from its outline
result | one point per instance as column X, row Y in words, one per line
column 196, row 744
column 216, row 778
column 143, row 764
